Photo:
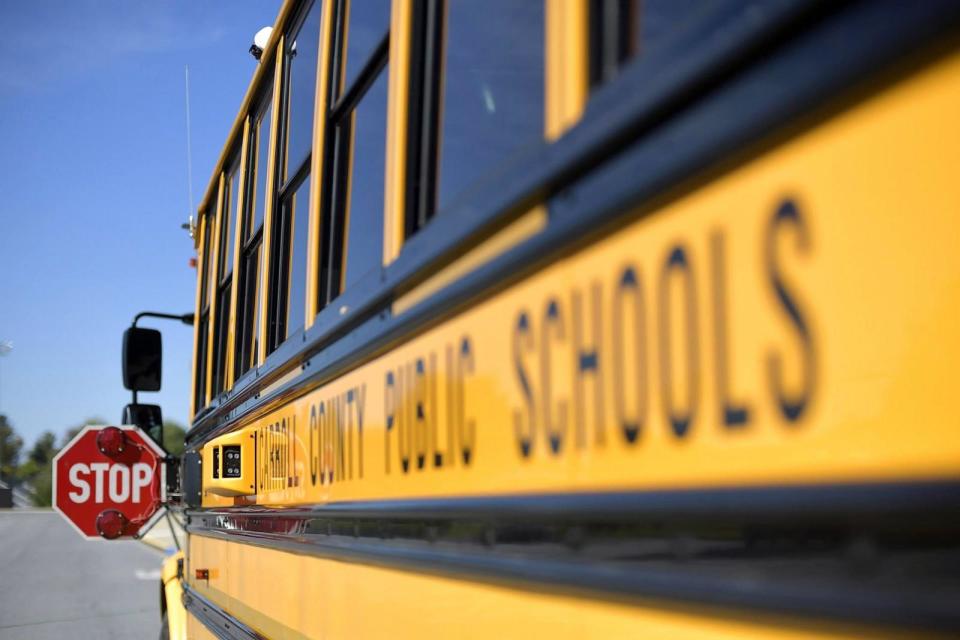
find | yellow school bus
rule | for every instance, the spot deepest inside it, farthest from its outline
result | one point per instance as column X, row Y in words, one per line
column 581, row 318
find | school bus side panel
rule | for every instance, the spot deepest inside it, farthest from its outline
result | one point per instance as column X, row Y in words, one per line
column 791, row 322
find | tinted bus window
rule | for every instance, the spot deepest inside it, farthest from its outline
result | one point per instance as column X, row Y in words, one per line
column 259, row 167
column 364, row 215
column 231, row 202
column 302, row 51
column 351, row 242
column 477, row 96
column 296, row 214
column 288, row 260
column 493, row 83
column 250, row 296
column 656, row 20
column 212, row 243
column 367, row 23
column 203, row 320
column 621, row 30
column 231, row 198
column 205, row 224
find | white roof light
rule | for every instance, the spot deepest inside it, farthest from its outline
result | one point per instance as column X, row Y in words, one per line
column 260, row 42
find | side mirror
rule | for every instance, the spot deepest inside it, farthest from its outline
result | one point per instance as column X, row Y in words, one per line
column 142, row 355
column 146, row 416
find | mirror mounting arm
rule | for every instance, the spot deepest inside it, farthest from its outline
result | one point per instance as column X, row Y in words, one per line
column 186, row 318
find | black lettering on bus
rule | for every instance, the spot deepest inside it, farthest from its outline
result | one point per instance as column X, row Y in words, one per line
column 274, row 462
column 311, row 444
column 264, row 460
column 523, row 420
column 792, row 404
column 271, row 443
column 467, row 429
column 732, row 414
column 390, row 411
column 349, row 402
column 282, row 449
column 587, row 365
column 629, row 290
column 340, row 457
column 336, row 428
column 404, row 427
column 433, row 413
column 361, row 408
column 678, row 265
column 451, row 405
column 326, row 443
column 420, row 417
column 553, row 327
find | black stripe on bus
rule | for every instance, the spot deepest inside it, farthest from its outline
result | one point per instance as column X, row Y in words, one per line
column 216, row 620
column 694, row 111
column 883, row 554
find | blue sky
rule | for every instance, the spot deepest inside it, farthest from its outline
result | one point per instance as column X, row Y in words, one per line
column 93, row 189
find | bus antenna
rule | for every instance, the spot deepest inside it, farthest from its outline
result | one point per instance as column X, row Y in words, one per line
column 188, row 225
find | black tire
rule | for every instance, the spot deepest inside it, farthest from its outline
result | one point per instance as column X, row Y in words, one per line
column 165, row 628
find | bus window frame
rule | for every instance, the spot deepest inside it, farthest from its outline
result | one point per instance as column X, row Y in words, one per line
column 254, row 241
column 426, row 76
column 278, row 244
column 405, row 260
column 423, row 119
column 199, row 374
column 339, row 105
column 226, row 283
column 611, row 40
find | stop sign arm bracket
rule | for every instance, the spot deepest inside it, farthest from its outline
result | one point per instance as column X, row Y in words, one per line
column 173, row 531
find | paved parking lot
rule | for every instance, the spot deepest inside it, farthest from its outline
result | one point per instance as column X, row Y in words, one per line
column 54, row 584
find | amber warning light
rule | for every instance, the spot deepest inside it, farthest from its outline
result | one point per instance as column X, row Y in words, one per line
column 110, row 482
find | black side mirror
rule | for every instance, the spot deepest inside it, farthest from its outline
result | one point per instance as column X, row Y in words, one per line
column 142, row 355
column 146, row 416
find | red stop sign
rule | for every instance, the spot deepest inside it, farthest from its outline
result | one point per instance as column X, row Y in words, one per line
column 109, row 482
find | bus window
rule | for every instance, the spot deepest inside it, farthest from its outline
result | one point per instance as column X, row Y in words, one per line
column 231, row 197
column 231, row 200
column 250, row 299
column 364, row 205
column 477, row 99
column 301, row 77
column 655, row 20
column 290, row 227
column 352, row 242
column 295, row 212
column 621, row 30
column 203, row 317
column 260, row 151
column 367, row 21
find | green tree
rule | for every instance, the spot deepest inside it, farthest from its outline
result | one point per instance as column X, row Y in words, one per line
column 42, row 484
column 37, row 469
column 173, row 436
column 44, row 448
column 10, row 446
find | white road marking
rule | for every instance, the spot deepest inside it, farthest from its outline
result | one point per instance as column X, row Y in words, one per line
column 147, row 574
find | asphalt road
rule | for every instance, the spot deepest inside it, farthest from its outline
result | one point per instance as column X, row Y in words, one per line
column 54, row 584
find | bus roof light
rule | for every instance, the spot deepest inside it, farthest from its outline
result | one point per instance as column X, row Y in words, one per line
column 260, row 42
